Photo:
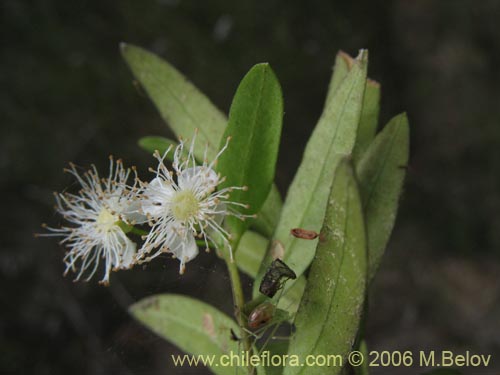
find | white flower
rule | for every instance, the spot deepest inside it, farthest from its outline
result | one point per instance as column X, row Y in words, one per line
column 94, row 214
column 188, row 207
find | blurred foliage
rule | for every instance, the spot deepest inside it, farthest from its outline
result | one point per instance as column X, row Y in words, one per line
column 67, row 95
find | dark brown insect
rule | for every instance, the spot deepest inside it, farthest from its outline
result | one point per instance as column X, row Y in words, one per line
column 304, row 233
column 276, row 276
column 261, row 315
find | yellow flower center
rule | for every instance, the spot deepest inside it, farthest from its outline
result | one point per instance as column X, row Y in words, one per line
column 106, row 220
column 184, row 205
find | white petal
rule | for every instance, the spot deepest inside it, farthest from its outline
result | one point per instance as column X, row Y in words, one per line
column 157, row 195
column 217, row 218
column 201, row 179
column 190, row 249
column 128, row 255
column 132, row 212
column 183, row 247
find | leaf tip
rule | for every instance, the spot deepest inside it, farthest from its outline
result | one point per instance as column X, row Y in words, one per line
column 403, row 121
column 260, row 68
column 123, row 47
column 132, row 309
column 349, row 61
column 144, row 305
column 362, row 55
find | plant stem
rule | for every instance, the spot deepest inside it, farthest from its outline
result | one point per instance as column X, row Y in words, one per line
column 239, row 303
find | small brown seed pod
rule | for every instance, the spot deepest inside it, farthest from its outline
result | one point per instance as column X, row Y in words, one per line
column 304, row 233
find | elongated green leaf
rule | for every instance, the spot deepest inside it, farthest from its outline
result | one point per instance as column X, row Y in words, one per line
column 153, row 143
column 381, row 173
column 333, row 138
column 185, row 109
column 369, row 119
column 255, row 121
column 330, row 310
column 193, row 326
column 180, row 103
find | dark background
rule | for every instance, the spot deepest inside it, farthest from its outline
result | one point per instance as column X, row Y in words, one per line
column 66, row 95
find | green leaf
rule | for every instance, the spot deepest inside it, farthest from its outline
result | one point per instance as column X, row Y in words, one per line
column 269, row 215
column 191, row 325
column 180, row 103
column 381, row 173
column 333, row 138
column 153, row 143
column 251, row 251
column 329, row 314
column 369, row 119
column 255, row 120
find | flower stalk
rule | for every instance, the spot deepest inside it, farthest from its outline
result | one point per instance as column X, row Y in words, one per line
column 239, row 301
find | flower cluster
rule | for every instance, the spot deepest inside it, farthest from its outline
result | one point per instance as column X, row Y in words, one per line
column 182, row 206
